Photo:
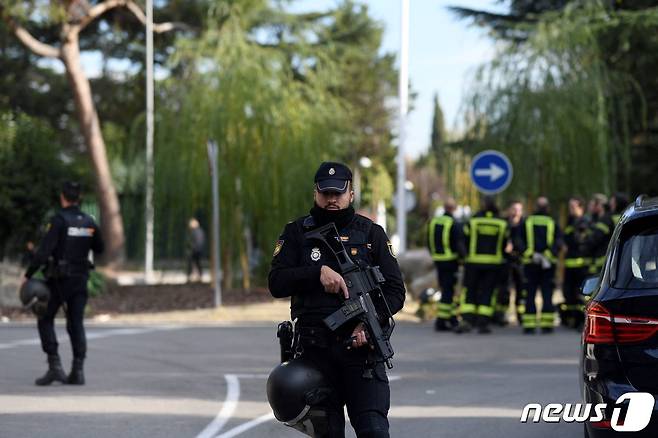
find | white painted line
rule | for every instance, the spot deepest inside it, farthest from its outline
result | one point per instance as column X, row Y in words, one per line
column 213, row 429
column 93, row 335
column 246, row 426
column 229, row 406
column 19, row 343
column 252, row 376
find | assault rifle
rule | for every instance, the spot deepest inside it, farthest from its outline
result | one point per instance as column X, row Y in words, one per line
column 363, row 283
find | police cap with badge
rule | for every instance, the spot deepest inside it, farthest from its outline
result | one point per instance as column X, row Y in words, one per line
column 332, row 177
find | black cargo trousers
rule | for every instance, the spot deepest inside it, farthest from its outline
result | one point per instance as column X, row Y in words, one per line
column 72, row 293
column 357, row 383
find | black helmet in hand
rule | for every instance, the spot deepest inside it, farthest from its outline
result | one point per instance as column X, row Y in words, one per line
column 297, row 392
column 34, row 295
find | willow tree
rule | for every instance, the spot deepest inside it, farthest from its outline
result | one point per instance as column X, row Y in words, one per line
column 555, row 107
column 272, row 131
column 67, row 19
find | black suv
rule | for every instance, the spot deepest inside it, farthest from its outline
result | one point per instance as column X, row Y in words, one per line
column 619, row 342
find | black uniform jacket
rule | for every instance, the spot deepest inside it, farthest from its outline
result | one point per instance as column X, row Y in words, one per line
column 596, row 243
column 71, row 234
column 297, row 261
column 575, row 234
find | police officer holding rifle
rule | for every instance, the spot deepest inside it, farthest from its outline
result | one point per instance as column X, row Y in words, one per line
column 344, row 282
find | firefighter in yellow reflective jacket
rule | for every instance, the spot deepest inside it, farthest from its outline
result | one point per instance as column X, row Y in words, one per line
column 599, row 233
column 487, row 237
column 446, row 246
column 575, row 264
column 540, row 245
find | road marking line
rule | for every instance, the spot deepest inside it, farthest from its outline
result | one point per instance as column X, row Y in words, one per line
column 252, row 376
column 246, row 426
column 229, row 406
column 92, row 335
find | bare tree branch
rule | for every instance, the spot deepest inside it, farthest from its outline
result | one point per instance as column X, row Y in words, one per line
column 105, row 6
column 28, row 40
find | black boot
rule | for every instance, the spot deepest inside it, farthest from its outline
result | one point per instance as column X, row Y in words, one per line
column 55, row 372
column 483, row 325
column 441, row 325
column 77, row 376
column 463, row 327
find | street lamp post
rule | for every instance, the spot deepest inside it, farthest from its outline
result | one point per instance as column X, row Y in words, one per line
column 148, row 262
column 404, row 97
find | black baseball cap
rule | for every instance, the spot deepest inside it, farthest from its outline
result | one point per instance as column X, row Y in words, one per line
column 71, row 191
column 332, row 177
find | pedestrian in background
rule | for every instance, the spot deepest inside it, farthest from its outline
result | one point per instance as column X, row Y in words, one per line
column 196, row 243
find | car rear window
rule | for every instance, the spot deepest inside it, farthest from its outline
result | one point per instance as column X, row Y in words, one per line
column 637, row 266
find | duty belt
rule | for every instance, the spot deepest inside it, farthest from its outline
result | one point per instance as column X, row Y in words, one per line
column 318, row 337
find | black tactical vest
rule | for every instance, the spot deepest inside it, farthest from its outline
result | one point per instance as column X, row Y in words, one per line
column 317, row 302
column 72, row 253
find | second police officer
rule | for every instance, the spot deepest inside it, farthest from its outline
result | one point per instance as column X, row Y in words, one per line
column 65, row 251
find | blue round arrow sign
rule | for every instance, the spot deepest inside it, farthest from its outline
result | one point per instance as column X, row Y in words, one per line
column 491, row 172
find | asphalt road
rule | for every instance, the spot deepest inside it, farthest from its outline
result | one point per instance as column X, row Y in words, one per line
column 182, row 381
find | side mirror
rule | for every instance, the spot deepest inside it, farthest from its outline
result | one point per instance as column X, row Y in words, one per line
column 589, row 286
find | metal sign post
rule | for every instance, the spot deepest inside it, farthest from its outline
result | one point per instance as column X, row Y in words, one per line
column 216, row 273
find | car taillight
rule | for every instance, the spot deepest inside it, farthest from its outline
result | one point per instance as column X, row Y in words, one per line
column 602, row 327
column 598, row 325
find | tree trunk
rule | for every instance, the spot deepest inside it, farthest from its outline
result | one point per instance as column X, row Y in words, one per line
column 111, row 221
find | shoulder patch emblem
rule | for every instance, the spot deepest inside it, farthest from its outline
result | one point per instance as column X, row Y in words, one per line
column 277, row 247
column 315, row 254
column 390, row 249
